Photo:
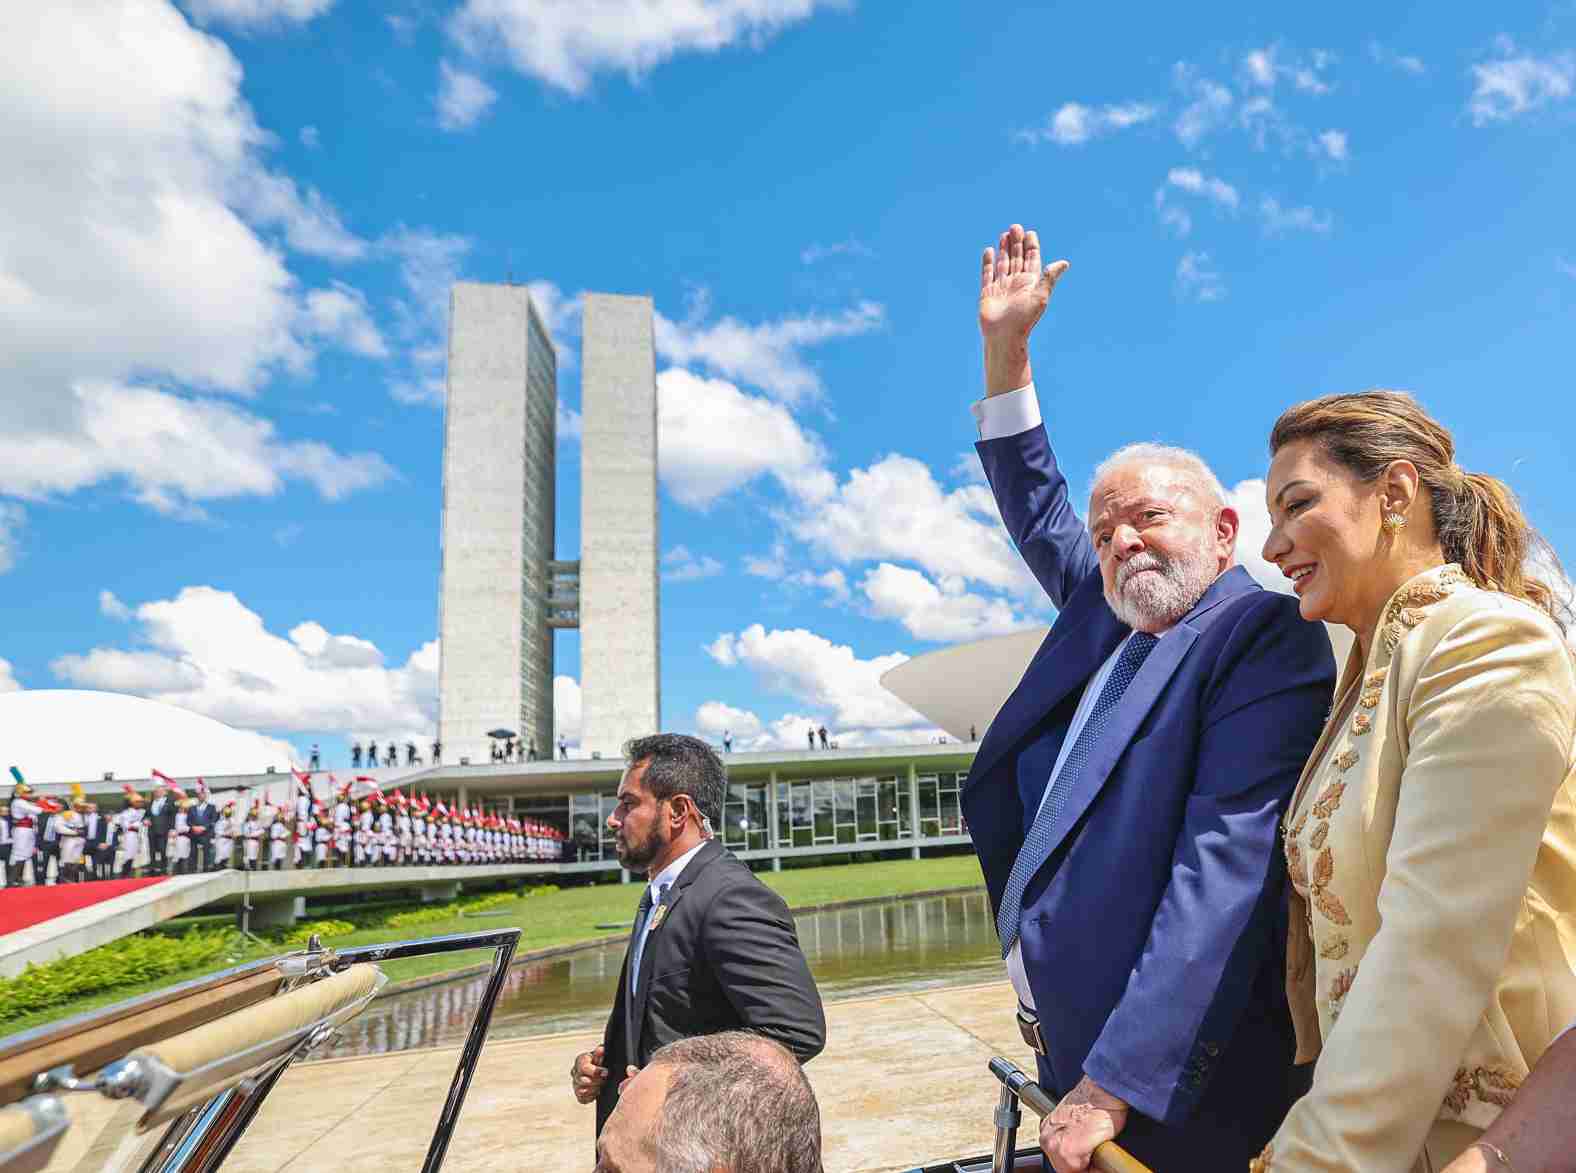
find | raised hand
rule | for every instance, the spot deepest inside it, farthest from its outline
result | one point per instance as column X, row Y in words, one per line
column 1014, row 291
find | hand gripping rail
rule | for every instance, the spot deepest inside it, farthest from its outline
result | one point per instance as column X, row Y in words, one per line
column 1016, row 1088
column 29, row 1132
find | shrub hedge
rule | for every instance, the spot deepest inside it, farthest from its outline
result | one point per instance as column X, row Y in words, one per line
column 126, row 962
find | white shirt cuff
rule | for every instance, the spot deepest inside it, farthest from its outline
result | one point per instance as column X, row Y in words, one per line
column 1008, row 414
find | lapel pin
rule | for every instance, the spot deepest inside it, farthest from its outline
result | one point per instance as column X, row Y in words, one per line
column 656, row 917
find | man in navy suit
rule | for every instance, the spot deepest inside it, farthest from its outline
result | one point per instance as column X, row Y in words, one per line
column 1125, row 801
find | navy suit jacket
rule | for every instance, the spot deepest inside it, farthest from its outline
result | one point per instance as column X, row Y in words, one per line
column 1153, row 935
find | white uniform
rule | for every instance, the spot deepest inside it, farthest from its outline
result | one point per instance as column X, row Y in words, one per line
column 25, row 818
column 183, row 838
column 277, row 834
column 320, row 836
column 223, row 840
column 252, row 833
column 69, row 828
column 131, row 836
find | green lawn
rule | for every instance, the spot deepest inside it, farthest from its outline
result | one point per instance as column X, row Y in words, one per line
column 571, row 915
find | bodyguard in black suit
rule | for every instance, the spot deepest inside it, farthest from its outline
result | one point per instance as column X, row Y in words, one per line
column 161, row 817
column 713, row 948
column 96, row 842
column 200, row 820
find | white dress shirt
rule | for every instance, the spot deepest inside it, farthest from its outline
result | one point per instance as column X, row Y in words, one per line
column 657, row 886
column 1008, row 414
column 999, row 416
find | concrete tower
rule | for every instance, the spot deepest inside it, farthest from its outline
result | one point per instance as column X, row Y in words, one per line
column 500, row 432
column 619, row 660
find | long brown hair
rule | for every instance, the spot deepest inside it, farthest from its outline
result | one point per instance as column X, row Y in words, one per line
column 1478, row 520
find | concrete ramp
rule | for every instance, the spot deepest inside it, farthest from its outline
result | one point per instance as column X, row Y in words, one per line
column 277, row 898
column 108, row 920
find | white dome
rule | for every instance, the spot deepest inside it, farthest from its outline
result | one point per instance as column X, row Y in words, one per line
column 74, row 735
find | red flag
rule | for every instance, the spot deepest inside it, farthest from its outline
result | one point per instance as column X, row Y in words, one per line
column 165, row 778
column 49, row 806
column 303, row 782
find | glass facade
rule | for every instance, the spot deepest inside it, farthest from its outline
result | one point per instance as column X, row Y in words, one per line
column 851, row 812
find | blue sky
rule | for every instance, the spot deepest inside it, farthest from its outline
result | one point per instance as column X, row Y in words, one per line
column 226, row 242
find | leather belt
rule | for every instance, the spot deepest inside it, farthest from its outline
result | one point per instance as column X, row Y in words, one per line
column 1029, row 1028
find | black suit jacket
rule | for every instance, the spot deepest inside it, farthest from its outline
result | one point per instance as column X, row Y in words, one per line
column 161, row 820
column 724, row 957
column 202, row 814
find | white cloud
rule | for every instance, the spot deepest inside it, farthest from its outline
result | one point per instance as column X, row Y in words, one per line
column 1198, row 279
column 1515, row 83
column 311, row 138
column 128, row 246
column 1405, row 62
column 833, row 582
column 570, row 424
column 1212, row 188
column 339, row 314
column 1253, row 529
column 310, row 222
column 565, row 43
column 895, row 510
column 770, row 565
column 1074, row 123
column 1264, row 67
column 8, row 681
column 429, row 265
column 1173, row 216
column 1279, row 219
column 680, row 565
column 561, row 314
column 252, row 15
column 944, row 610
column 713, row 438
column 463, row 98
column 968, row 469
column 810, row 668
column 1208, row 110
column 174, row 451
column 843, row 248
column 206, row 651
column 111, row 607
column 566, row 709
column 714, row 718
column 12, row 517
column 1334, row 144
column 767, row 355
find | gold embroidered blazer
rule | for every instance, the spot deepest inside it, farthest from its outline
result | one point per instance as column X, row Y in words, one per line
column 1432, row 850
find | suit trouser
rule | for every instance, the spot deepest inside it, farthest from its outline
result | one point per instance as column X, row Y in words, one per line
column 202, row 853
column 158, row 846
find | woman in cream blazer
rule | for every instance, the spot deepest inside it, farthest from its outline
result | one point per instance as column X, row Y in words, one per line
column 1431, row 842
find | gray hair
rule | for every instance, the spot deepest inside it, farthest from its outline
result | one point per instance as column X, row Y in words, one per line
column 1170, row 456
column 737, row 1102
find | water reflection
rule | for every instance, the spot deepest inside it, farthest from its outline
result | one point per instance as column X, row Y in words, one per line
column 909, row 944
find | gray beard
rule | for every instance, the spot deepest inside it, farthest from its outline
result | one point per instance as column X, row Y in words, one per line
column 1160, row 599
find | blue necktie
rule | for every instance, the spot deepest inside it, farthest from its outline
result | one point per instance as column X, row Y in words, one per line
column 642, row 916
column 1036, row 847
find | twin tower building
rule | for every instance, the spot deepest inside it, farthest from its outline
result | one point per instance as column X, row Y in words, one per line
column 504, row 590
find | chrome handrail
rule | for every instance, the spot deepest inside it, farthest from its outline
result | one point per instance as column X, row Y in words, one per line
column 1016, row 1088
column 199, row 1139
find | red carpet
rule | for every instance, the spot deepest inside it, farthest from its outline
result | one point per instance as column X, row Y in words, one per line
column 21, row 907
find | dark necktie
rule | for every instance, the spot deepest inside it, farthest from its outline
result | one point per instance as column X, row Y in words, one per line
column 1036, row 847
column 638, row 946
